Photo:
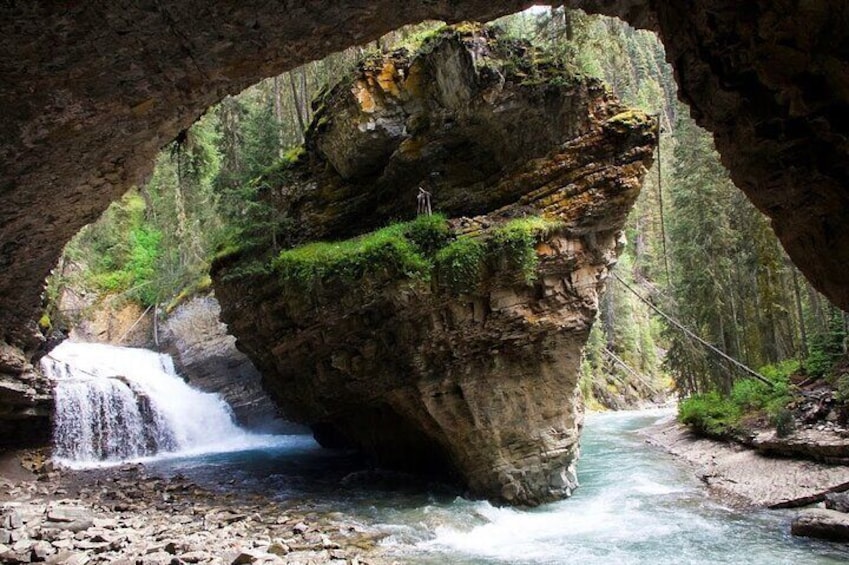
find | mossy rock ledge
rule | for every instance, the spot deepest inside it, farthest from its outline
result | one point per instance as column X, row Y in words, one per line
column 448, row 344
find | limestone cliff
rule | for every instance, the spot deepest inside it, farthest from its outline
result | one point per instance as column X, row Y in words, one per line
column 449, row 345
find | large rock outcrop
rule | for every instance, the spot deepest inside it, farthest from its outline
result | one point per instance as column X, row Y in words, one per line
column 445, row 345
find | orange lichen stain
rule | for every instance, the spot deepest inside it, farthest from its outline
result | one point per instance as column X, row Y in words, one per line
column 364, row 97
column 545, row 250
column 414, row 84
column 387, row 79
column 411, row 147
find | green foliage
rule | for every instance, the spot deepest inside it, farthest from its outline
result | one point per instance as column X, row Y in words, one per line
column 515, row 244
column 461, row 263
column 842, row 388
column 120, row 252
column 710, row 413
column 395, row 250
column 594, row 371
column 715, row 414
column 781, row 372
column 826, row 346
column 133, row 274
column 429, row 233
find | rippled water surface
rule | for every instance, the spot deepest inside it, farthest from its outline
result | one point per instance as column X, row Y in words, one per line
column 635, row 505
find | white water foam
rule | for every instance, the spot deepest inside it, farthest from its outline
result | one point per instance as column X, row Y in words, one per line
column 120, row 404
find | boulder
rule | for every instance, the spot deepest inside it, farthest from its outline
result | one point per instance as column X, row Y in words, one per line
column 838, row 501
column 70, row 518
column 450, row 345
column 821, row 523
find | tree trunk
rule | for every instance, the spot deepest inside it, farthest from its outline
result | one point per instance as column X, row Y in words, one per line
column 278, row 116
column 297, row 104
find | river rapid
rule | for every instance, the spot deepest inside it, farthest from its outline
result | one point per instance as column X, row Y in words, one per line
column 636, row 504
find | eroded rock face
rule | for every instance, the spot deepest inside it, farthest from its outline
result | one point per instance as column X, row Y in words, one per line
column 771, row 80
column 26, row 402
column 205, row 355
column 478, row 382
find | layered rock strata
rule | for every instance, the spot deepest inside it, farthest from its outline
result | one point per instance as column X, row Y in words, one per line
column 444, row 345
column 26, row 402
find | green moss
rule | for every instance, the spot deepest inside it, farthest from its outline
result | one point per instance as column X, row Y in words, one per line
column 44, row 322
column 515, row 243
column 428, row 233
column 629, row 119
column 228, row 249
column 511, row 247
column 408, row 250
column 197, row 287
column 399, row 250
column 460, row 265
column 278, row 173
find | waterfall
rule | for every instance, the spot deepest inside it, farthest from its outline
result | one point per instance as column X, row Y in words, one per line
column 118, row 403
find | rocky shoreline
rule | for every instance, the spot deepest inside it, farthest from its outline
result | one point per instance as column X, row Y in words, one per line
column 123, row 515
column 745, row 475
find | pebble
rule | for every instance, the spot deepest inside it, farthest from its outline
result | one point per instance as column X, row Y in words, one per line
column 195, row 526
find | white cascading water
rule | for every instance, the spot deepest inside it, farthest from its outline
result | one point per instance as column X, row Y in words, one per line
column 118, row 403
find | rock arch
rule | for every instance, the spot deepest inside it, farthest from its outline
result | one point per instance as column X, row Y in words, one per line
column 89, row 92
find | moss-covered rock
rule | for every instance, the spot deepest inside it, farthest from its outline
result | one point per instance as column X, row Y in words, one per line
column 452, row 342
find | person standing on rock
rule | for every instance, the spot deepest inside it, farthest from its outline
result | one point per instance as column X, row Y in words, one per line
column 423, row 202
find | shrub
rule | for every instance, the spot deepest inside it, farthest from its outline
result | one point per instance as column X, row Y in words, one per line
column 783, row 422
column 716, row 415
column 710, row 414
column 842, row 388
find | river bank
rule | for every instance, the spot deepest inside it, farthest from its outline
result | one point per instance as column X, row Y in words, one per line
column 124, row 515
column 743, row 476
column 297, row 503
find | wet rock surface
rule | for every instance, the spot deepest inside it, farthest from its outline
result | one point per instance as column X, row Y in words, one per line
column 478, row 383
column 205, row 355
column 26, row 401
column 122, row 515
column 821, row 523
